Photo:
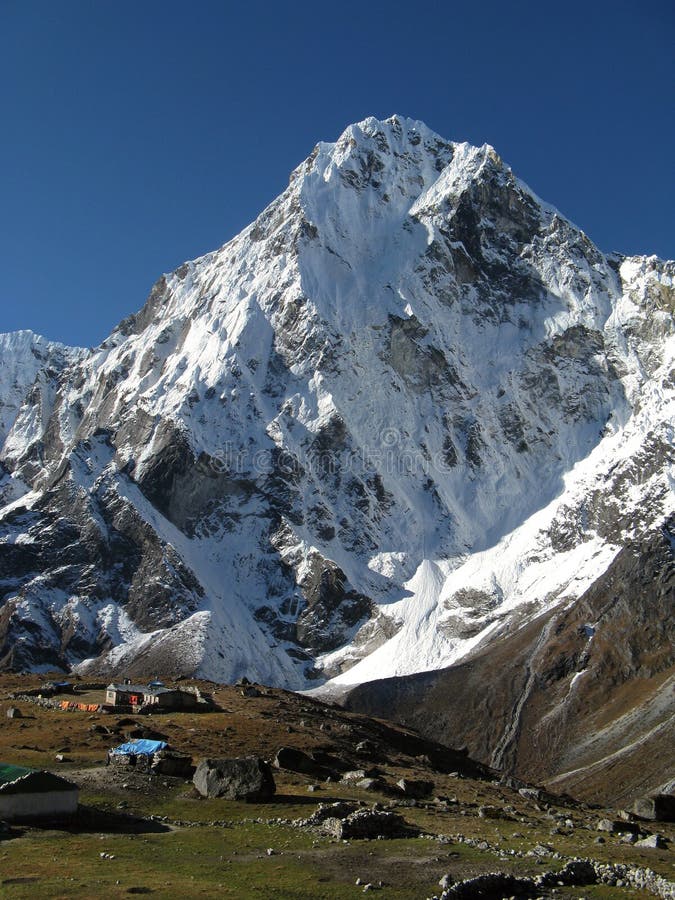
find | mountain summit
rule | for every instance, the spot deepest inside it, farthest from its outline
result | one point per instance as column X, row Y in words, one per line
column 406, row 411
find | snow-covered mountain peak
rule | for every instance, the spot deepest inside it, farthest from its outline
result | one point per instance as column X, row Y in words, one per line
column 359, row 437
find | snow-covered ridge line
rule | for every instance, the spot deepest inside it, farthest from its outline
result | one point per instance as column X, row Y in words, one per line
column 25, row 356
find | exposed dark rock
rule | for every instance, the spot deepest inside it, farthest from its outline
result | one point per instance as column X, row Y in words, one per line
column 246, row 778
column 332, row 607
column 415, row 788
column 298, row 761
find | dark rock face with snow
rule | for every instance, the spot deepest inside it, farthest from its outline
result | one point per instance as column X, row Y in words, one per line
column 579, row 698
column 404, row 413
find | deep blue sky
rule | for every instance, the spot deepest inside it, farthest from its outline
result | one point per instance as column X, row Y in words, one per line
column 139, row 133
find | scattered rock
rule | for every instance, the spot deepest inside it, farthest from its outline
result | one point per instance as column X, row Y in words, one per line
column 490, row 812
column 239, row 778
column 355, row 775
column 366, row 747
column 542, row 850
column 652, row 841
column 339, row 810
column 366, row 824
column 250, row 691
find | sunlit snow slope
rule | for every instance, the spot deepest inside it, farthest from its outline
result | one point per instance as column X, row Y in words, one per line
column 403, row 412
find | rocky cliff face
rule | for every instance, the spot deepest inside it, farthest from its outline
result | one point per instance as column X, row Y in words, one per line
column 407, row 410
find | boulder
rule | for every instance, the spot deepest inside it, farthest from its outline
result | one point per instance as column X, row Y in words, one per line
column 659, row 807
column 299, row 761
column 652, row 841
column 239, row 778
column 417, row 789
column 355, row 775
column 13, row 713
column 371, row 784
column 616, row 826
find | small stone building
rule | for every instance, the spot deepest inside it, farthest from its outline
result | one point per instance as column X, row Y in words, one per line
column 153, row 696
column 35, row 795
column 154, row 757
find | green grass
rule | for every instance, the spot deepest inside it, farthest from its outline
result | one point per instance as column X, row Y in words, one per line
column 201, row 861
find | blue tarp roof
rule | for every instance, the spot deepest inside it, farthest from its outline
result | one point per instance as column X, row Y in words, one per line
column 140, row 747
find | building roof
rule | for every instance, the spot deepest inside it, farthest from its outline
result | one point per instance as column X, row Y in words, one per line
column 21, row 780
column 9, row 773
column 138, row 689
column 139, row 748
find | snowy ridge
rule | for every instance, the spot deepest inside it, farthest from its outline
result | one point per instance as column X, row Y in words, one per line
column 409, row 407
column 24, row 356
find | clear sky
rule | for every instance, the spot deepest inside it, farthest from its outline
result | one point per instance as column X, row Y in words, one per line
column 135, row 134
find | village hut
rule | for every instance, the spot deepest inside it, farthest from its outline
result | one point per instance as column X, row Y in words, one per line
column 35, row 794
column 153, row 697
column 155, row 757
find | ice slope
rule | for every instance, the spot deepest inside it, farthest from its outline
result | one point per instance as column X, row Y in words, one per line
column 394, row 416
